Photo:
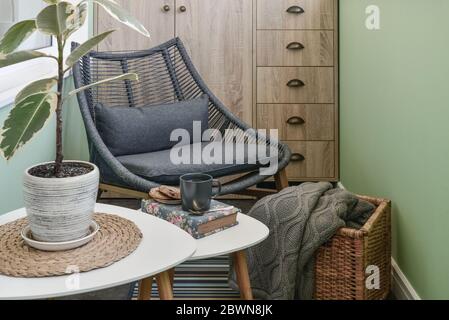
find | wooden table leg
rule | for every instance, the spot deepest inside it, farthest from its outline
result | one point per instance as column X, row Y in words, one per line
column 171, row 273
column 241, row 270
column 164, row 286
column 145, row 287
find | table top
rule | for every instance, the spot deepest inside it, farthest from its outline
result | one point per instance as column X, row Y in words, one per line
column 163, row 247
column 246, row 234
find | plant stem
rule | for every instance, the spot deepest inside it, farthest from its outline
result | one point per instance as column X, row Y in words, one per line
column 59, row 154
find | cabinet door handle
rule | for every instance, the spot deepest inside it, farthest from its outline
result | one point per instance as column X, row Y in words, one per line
column 296, row 121
column 182, row 8
column 295, row 10
column 295, row 46
column 297, row 157
column 295, row 83
column 166, row 8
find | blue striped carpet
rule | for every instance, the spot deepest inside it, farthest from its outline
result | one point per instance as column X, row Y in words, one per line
column 201, row 279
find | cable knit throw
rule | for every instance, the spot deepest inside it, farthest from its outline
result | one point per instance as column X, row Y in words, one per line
column 300, row 219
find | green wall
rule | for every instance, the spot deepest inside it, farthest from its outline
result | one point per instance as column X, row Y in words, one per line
column 41, row 148
column 75, row 140
column 395, row 127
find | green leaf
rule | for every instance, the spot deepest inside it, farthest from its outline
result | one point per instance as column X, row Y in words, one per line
column 20, row 56
column 77, row 19
column 126, row 76
column 24, row 120
column 17, row 34
column 39, row 86
column 120, row 14
column 85, row 48
column 54, row 19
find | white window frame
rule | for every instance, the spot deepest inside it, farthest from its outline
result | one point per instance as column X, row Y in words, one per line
column 14, row 78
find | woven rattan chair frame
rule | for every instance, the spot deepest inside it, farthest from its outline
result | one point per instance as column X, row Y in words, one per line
column 166, row 74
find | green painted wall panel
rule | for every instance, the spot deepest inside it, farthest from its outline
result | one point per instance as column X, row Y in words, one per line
column 41, row 148
column 394, row 127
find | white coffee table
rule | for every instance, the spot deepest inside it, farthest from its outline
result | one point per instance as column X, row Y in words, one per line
column 163, row 247
column 249, row 232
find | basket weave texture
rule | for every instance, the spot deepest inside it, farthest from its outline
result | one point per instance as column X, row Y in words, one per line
column 116, row 239
column 341, row 263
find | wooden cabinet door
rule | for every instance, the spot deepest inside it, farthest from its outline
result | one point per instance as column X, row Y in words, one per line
column 159, row 21
column 218, row 37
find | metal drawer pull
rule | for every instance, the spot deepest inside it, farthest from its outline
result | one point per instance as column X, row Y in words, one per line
column 295, row 10
column 166, row 8
column 297, row 157
column 182, row 8
column 295, row 83
column 296, row 121
column 295, row 46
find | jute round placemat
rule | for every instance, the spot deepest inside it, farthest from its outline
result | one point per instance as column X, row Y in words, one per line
column 116, row 239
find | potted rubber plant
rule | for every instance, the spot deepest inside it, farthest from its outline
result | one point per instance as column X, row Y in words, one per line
column 60, row 195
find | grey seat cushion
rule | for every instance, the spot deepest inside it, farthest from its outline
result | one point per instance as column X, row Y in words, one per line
column 159, row 167
column 127, row 130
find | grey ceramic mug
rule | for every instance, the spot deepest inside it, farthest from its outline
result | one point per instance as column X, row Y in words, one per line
column 196, row 191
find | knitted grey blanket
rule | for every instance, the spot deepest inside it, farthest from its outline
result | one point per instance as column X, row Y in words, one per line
column 300, row 219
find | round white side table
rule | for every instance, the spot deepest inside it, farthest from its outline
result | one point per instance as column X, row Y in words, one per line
column 163, row 247
column 249, row 232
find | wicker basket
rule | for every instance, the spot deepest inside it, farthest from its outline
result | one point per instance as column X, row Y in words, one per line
column 342, row 262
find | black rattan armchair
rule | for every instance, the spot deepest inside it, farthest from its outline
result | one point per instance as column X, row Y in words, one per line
column 166, row 75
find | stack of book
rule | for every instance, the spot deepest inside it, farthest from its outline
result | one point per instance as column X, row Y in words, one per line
column 219, row 217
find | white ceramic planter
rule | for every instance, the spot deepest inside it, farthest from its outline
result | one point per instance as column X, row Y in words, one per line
column 60, row 209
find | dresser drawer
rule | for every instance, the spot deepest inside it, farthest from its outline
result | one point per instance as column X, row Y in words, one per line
column 311, row 160
column 295, row 48
column 295, row 85
column 295, row 14
column 298, row 121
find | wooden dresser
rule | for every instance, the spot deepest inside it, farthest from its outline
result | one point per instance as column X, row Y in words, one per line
column 296, row 68
column 274, row 63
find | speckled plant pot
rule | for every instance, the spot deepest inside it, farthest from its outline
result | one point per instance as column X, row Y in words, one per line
column 60, row 209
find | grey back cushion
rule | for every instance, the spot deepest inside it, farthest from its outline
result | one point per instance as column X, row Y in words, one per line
column 127, row 130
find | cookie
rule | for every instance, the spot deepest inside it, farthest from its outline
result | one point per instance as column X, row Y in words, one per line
column 157, row 195
column 172, row 192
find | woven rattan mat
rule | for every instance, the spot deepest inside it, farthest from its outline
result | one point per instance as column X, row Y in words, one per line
column 116, row 239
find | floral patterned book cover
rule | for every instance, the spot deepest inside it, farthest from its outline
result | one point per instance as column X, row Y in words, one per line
column 187, row 221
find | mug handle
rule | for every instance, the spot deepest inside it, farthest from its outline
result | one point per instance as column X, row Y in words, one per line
column 216, row 184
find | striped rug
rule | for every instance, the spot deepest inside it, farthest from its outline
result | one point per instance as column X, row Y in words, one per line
column 196, row 280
